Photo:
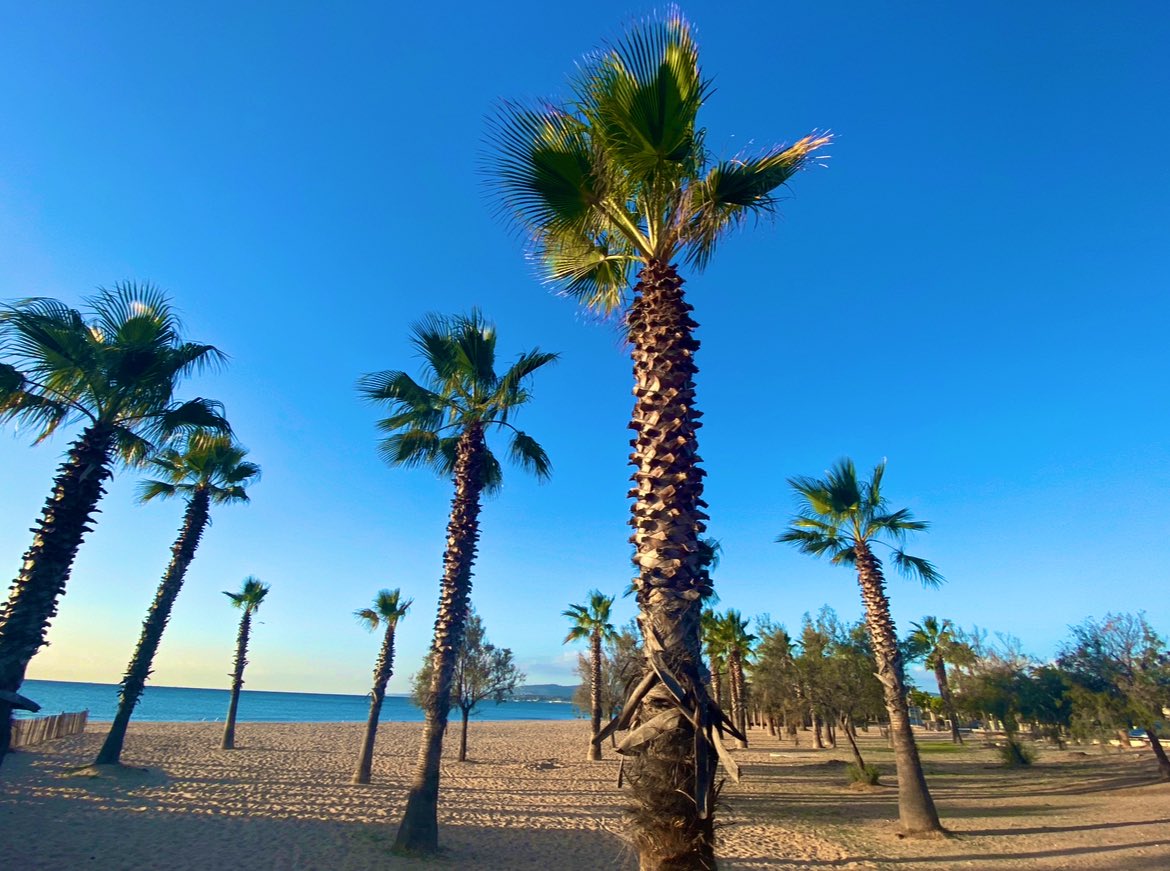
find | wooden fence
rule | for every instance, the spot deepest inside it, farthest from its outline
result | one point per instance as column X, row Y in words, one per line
column 26, row 733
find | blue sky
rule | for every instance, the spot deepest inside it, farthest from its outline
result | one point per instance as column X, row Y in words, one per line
column 974, row 288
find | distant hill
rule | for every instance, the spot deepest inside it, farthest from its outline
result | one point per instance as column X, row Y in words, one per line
column 541, row 692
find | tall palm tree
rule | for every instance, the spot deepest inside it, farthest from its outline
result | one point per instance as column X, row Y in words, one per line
column 210, row 470
column 389, row 608
column 443, row 424
column 592, row 621
column 114, row 368
column 843, row 518
column 619, row 180
column 737, row 643
column 937, row 643
column 248, row 600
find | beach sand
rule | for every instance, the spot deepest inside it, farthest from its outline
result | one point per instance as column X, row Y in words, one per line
column 527, row 800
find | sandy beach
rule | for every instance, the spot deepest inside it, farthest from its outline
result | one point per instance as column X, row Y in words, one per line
column 526, row 800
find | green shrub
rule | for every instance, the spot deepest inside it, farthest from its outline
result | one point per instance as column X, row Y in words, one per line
column 1016, row 755
column 868, row 775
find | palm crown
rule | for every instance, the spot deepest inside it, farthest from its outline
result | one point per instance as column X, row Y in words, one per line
column 838, row 513
column 937, row 641
column 251, row 594
column 212, row 463
column 591, row 618
column 620, row 175
column 389, row 608
column 117, row 366
column 460, row 388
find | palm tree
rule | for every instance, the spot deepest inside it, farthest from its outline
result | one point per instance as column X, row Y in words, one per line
column 937, row 643
column 211, row 470
column 737, row 643
column 592, row 621
column 248, row 600
column 114, row 369
column 443, row 424
column 843, row 518
column 388, row 609
column 615, row 181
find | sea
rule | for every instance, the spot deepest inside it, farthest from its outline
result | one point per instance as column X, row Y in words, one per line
column 195, row 705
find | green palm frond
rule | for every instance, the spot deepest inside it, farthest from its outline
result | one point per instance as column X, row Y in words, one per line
column 460, row 390
column 591, row 618
column 149, row 490
column 913, row 566
column 389, row 608
column 251, row 594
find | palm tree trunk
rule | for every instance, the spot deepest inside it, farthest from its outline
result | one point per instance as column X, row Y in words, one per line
column 944, row 690
column 595, row 696
column 419, row 830
column 137, row 673
column 670, row 832
column 916, row 811
column 735, row 680
column 44, row 572
column 383, row 668
column 229, row 727
column 1159, row 752
column 717, row 686
column 466, row 713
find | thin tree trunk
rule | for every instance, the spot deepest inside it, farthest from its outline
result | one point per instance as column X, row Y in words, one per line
column 846, row 727
column 44, row 572
column 419, row 831
column 466, row 712
column 383, row 669
column 137, row 673
column 670, row 832
column 229, row 727
column 916, row 811
column 595, row 696
column 1159, row 752
column 717, row 687
column 818, row 739
column 944, row 690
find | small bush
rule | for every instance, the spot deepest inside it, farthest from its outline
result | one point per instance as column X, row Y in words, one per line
column 868, row 775
column 1016, row 755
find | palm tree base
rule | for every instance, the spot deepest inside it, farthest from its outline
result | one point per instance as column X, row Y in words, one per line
column 418, row 834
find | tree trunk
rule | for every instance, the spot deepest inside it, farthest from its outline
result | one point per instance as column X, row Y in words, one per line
column 137, row 673
column 818, row 739
column 419, row 831
column 1159, row 752
column 383, row 669
column 44, row 572
column 717, row 687
column 944, row 691
column 916, row 811
column 737, row 713
column 229, row 727
column 846, row 727
column 670, row 831
column 595, row 695
column 463, row 733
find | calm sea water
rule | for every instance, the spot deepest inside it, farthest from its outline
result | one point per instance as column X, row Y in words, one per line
column 188, row 704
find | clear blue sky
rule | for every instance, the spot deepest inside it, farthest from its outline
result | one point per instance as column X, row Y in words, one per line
column 975, row 288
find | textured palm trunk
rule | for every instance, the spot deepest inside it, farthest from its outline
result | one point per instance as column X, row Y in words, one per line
column 735, row 679
column 716, row 684
column 137, row 673
column 916, row 811
column 383, row 669
column 670, row 832
column 1159, row 753
column 419, row 830
column 44, row 571
column 595, row 696
column 948, row 700
column 229, row 727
